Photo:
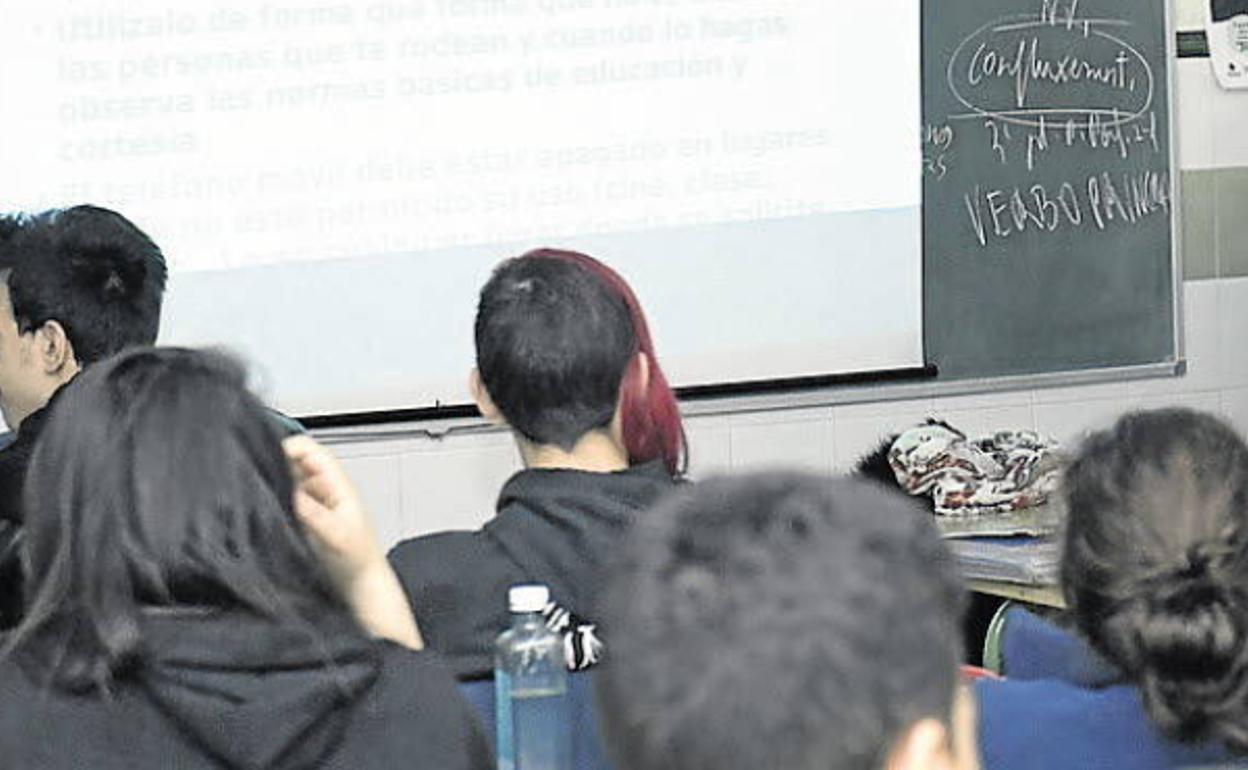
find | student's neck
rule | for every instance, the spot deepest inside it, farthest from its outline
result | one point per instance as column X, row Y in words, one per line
column 51, row 388
column 596, row 452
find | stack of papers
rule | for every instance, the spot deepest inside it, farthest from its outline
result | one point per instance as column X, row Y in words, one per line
column 1023, row 560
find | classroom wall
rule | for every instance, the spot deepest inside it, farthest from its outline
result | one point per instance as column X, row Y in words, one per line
column 415, row 484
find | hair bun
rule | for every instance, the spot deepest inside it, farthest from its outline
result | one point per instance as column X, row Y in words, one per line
column 1190, row 627
column 1187, row 646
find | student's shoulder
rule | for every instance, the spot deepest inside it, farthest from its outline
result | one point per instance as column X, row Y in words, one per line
column 457, row 584
column 438, row 553
column 445, row 539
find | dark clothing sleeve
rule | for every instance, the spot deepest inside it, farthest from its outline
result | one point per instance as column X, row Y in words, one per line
column 14, row 460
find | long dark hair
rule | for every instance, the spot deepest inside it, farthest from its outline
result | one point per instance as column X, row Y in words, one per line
column 558, row 336
column 1156, row 566
column 159, row 480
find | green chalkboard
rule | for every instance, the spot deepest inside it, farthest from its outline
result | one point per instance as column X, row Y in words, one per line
column 1048, row 226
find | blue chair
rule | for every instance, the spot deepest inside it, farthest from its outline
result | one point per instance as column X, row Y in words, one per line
column 587, row 749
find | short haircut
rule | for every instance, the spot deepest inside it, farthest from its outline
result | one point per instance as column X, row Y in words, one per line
column 91, row 270
column 777, row 620
column 558, row 334
column 1155, row 565
column 159, row 481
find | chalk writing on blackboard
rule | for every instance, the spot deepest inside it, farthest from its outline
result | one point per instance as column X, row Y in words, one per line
column 1107, row 199
column 937, row 144
column 1032, row 85
column 1048, row 184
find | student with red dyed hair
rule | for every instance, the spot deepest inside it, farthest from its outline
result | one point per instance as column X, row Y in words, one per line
column 565, row 360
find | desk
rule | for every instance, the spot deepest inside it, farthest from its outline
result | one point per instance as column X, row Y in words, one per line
column 1030, row 525
column 1047, row 595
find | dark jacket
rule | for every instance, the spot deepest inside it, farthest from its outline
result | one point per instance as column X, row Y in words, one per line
column 1061, row 706
column 554, row 527
column 230, row 690
column 14, row 459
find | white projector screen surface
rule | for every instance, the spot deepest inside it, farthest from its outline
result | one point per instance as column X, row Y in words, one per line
column 333, row 181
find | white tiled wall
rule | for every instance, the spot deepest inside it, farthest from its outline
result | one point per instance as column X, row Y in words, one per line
column 1188, row 14
column 1195, row 94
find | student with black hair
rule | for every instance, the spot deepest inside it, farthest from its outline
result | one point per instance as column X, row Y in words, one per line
column 1154, row 673
column 196, row 604
column 783, row 620
column 76, row 286
column 79, row 284
column 565, row 359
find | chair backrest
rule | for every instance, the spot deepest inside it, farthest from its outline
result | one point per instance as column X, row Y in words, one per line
column 992, row 655
column 588, row 752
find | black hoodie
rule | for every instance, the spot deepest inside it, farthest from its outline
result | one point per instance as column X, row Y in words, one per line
column 231, row 690
column 14, row 460
column 554, row 527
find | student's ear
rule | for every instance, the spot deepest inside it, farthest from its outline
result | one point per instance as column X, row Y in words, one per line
column 925, row 745
column 641, row 384
column 643, row 372
column 54, row 351
column 486, row 405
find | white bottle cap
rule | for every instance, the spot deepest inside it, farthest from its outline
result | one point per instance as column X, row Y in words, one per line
column 528, row 598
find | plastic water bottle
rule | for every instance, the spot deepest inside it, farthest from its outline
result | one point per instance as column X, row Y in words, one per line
column 531, row 688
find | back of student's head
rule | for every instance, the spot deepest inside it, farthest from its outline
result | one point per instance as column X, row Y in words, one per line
column 89, row 269
column 558, row 338
column 777, row 620
column 158, row 481
column 1156, row 565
